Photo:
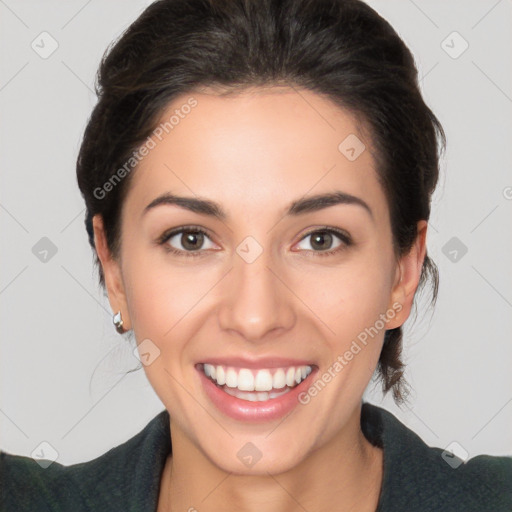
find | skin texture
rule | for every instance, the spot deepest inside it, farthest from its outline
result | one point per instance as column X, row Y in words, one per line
column 254, row 153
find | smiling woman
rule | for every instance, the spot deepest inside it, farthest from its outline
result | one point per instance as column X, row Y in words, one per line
column 264, row 243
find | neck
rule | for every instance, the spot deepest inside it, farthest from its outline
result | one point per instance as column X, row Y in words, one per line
column 347, row 471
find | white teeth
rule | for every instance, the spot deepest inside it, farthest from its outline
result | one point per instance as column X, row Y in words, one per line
column 275, row 394
column 263, row 381
column 208, row 370
column 262, row 396
column 221, row 376
column 245, row 380
column 279, row 380
column 290, row 377
column 231, row 378
column 244, row 395
column 259, row 382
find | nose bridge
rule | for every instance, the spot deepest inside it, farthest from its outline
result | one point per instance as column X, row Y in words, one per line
column 255, row 301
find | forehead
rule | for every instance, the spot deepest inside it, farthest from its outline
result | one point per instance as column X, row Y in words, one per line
column 262, row 147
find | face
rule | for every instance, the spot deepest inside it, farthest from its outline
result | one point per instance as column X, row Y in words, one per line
column 256, row 281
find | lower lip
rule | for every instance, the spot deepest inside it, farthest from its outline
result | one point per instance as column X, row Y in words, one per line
column 243, row 410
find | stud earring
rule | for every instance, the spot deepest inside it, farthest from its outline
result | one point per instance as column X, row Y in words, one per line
column 118, row 322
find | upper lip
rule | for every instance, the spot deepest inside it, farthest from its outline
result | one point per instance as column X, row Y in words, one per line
column 262, row 362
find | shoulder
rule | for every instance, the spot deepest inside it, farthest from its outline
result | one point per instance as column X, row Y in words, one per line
column 422, row 478
column 117, row 480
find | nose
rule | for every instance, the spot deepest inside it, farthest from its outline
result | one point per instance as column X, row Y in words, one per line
column 256, row 302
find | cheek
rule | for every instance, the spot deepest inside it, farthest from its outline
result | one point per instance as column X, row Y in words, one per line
column 347, row 298
column 163, row 301
column 161, row 295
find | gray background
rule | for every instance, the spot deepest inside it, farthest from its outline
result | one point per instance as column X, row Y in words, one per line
column 63, row 366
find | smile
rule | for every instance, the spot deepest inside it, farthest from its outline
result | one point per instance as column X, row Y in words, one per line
column 256, row 385
column 267, row 393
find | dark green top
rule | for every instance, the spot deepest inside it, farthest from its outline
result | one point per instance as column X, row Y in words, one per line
column 127, row 478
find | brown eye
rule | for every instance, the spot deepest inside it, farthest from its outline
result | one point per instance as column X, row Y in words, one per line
column 325, row 241
column 191, row 240
column 187, row 240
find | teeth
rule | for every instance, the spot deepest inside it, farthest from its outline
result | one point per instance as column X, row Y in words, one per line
column 262, row 396
column 263, row 380
column 260, row 381
column 290, row 376
column 221, row 376
column 245, row 380
column 231, row 378
column 279, row 379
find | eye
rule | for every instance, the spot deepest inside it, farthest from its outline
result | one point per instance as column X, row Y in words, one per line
column 186, row 241
column 325, row 241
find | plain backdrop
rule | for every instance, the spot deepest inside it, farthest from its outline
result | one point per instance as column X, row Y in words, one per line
column 63, row 367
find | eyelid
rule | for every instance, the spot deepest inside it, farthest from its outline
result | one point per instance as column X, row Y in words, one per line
column 173, row 231
column 343, row 235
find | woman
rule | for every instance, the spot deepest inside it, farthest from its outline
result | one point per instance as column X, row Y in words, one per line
column 258, row 176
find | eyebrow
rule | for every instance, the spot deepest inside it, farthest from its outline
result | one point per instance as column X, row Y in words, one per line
column 298, row 207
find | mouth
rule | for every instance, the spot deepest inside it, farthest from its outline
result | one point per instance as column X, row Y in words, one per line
column 255, row 394
column 256, row 385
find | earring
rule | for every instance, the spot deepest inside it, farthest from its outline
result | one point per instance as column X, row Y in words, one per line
column 118, row 322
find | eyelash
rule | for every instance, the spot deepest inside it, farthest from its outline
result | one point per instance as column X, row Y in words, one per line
column 165, row 237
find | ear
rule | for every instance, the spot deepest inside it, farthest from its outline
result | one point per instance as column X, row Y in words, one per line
column 407, row 277
column 111, row 271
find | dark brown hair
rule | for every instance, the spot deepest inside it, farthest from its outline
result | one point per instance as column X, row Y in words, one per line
column 341, row 49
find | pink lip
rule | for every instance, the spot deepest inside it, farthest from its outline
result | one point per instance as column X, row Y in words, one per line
column 262, row 362
column 243, row 410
